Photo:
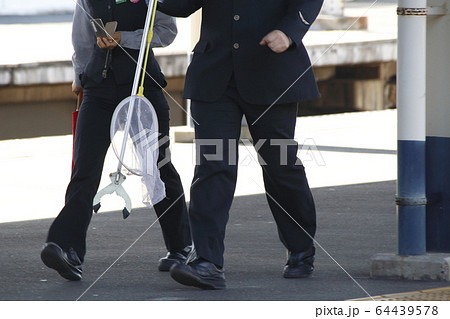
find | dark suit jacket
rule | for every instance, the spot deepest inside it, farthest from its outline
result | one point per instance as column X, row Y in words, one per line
column 229, row 44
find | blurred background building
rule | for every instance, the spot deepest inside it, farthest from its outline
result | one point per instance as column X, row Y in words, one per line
column 352, row 46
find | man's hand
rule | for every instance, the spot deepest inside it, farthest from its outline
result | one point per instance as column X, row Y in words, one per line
column 76, row 89
column 109, row 43
column 277, row 41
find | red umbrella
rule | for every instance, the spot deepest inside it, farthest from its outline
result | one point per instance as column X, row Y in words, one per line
column 74, row 120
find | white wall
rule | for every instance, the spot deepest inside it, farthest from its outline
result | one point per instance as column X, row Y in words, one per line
column 333, row 7
column 13, row 7
column 23, row 7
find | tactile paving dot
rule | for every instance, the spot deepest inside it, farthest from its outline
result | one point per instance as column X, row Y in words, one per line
column 439, row 294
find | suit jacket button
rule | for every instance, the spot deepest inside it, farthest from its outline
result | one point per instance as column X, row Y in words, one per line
column 236, row 17
column 236, row 45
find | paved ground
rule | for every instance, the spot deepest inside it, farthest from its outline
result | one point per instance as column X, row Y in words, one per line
column 351, row 167
column 336, row 149
column 355, row 222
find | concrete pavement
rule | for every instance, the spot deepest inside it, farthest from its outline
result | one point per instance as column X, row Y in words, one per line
column 336, row 149
column 350, row 161
column 355, row 222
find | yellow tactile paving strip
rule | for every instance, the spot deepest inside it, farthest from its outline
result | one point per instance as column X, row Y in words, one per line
column 438, row 294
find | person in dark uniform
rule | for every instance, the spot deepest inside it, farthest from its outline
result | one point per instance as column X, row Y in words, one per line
column 249, row 61
column 106, row 79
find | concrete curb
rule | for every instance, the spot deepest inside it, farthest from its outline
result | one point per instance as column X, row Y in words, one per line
column 431, row 266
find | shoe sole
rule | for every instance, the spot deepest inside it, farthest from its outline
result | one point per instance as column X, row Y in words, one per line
column 53, row 257
column 188, row 279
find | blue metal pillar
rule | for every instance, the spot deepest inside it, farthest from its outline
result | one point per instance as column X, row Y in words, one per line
column 411, row 103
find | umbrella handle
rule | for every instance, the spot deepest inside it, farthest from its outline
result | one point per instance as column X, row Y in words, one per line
column 79, row 100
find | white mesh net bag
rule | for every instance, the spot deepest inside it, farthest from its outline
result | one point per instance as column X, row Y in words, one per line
column 138, row 152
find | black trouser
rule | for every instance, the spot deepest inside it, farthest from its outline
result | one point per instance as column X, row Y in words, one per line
column 92, row 140
column 218, row 126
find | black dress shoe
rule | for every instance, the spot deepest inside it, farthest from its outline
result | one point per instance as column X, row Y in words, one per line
column 66, row 263
column 199, row 273
column 174, row 258
column 300, row 265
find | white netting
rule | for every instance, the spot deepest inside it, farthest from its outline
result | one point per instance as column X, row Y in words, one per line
column 140, row 152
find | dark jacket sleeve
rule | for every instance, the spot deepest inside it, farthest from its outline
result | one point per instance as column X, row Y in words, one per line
column 300, row 15
column 179, row 8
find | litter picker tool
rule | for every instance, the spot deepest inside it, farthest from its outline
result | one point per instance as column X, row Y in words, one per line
column 134, row 134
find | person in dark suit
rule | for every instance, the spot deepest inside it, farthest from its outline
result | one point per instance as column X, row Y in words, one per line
column 106, row 79
column 249, row 61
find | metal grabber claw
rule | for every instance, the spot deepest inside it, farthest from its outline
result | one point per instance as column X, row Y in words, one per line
column 117, row 179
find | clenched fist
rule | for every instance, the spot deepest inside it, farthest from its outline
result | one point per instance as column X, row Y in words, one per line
column 277, row 41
